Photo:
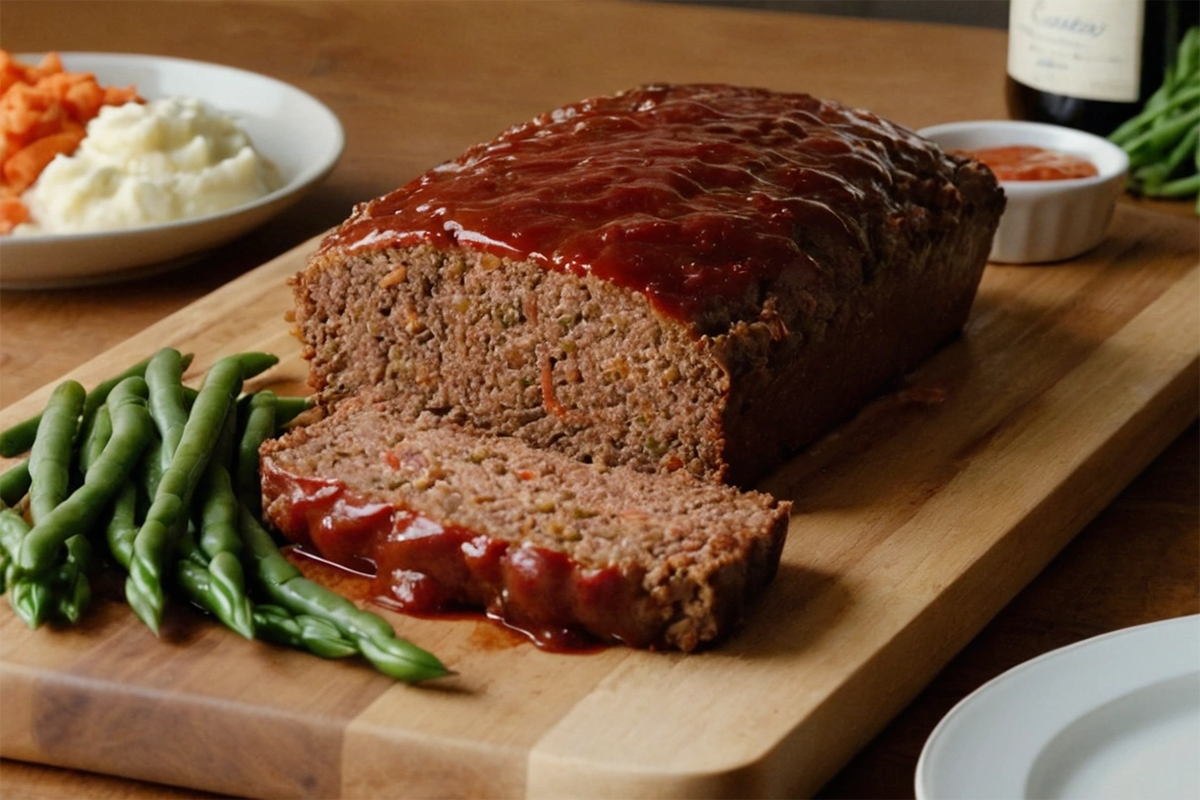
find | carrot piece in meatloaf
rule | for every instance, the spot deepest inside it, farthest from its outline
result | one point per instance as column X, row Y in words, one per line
column 454, row 519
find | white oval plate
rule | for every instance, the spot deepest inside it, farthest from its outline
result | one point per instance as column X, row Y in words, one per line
column 1115, row 716
column 291, row 128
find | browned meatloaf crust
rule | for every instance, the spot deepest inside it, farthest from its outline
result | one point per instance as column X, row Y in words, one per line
column 450, row 518
column 701, row 276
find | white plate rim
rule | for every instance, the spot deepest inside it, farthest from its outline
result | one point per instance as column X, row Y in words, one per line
column 1175, row 642
column 259, row 209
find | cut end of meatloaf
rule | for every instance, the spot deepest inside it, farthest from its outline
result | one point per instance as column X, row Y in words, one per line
column 454, row 519
column 574, row 364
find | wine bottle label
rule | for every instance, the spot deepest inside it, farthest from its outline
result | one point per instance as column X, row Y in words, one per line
column 1091, row 49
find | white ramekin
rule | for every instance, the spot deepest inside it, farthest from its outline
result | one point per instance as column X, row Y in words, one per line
column 1045, row 220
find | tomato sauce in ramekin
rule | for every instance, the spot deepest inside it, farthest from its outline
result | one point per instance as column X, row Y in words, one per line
column 1030, row 163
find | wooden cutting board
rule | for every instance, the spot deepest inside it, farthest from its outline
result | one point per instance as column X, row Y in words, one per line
column 914, row 524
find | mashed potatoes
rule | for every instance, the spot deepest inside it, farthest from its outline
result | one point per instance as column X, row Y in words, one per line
column 148, row 163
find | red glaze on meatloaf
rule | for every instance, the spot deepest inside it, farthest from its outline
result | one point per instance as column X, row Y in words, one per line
column 703, row 277
column 449, row 519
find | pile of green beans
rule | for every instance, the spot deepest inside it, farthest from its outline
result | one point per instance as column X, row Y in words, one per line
column 149, row 476
column 1163, row 141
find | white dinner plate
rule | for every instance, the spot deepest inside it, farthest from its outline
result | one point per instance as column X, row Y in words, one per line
column 290, row 128
column 1115, row 716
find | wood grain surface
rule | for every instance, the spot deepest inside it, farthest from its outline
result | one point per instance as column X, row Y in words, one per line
column 913, row 525
column 414, row 83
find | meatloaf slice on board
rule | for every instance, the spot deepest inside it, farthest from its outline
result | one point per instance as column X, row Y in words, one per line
column 698, row 277
column 549, row 544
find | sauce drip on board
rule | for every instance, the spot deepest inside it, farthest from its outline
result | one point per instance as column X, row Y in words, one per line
column 682, row 193
column 1029, row 163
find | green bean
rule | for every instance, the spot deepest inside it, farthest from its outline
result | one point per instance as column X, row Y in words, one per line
column 288, row 408
column 220, row 543
column 226, row 446
column 98, row 432
column 1187, row 55
column 132, row 429
column 19, row 438
column 122, row 524
column 253, row 364
column 154, row 545
column 196, row 583
column 1153, row 103
column 71, row 584
column 50, row 458
column 144, row 585
column 229, row 587
column 150, row 471
column 218, row 513
column 164, row 376
column 14, row 483
column 1144, row 148
column 203, row 587
column 99, row 395
column 69, row 590
column 12, row 530
column 186, row 547
column 276, row 624
column 73, row 589
column 1131, row 128
column 1182, row 187
column 1153, row 176
column 397, row 658
column 217, row 502
column 371, row 634
column 260, row 426
column 31, row 596
column 1185, row 147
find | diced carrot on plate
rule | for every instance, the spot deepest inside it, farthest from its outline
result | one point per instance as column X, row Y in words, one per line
column 12, row 213
column 23, row 167
column 44, row 111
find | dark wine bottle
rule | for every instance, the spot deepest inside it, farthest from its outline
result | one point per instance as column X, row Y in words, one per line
column 1090, row 64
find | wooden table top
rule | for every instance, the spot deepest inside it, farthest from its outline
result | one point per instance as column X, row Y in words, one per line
column 416, row 82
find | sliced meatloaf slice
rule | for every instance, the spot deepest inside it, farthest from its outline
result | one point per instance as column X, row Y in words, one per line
column 697, row 277
column 452, row 519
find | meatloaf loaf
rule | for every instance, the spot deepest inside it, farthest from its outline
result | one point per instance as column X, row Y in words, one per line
column 697, row 277
column 449, row 518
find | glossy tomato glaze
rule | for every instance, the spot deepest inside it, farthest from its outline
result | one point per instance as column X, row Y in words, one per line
column 679, row 192
column 1029, row 163
column 419, row 566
